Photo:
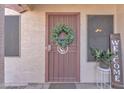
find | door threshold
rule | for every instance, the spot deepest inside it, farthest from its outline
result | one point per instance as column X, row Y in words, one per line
column 62, row 82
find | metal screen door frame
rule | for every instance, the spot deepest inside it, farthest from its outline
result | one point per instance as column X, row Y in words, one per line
column 47, row 43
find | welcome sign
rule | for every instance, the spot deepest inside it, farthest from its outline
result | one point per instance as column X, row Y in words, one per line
column 116, row 67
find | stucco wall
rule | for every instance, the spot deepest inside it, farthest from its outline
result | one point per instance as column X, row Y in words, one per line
column 120, row 28
column 30, row 67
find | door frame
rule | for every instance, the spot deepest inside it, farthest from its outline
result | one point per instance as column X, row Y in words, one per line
column 47, row 38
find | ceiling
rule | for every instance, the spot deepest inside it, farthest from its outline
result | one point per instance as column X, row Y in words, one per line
column 21, row 8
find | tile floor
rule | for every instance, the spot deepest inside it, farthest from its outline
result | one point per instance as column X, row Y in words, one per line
column 55, row 86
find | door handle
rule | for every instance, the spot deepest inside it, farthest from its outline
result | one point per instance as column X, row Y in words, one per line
column 49, row 47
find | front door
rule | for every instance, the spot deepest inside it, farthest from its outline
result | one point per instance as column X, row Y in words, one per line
column 62, row 67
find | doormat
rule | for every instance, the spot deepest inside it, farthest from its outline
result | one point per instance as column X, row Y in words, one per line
column 62, row 86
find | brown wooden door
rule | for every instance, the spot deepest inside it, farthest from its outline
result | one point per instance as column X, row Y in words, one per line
column 63, row 67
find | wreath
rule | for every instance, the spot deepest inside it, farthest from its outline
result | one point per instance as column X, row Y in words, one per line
column 68, row 38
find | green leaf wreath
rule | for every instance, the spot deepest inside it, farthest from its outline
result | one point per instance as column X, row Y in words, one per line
column 68, row 39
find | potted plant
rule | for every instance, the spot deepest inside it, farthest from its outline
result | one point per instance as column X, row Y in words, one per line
column 103, row 57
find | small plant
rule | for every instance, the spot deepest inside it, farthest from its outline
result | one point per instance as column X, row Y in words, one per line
column 102, row 56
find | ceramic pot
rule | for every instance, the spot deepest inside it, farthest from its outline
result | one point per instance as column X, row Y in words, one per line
column 103, row 65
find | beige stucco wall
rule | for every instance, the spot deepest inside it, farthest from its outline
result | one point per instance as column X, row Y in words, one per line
column 30, row 67
column 120, row 28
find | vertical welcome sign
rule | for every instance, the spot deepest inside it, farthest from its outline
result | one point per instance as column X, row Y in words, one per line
column 116, row 66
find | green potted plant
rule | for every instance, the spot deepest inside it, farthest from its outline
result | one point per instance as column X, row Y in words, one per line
column 103, row 57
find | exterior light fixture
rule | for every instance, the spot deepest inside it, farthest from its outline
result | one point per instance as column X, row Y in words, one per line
column 98, row 30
